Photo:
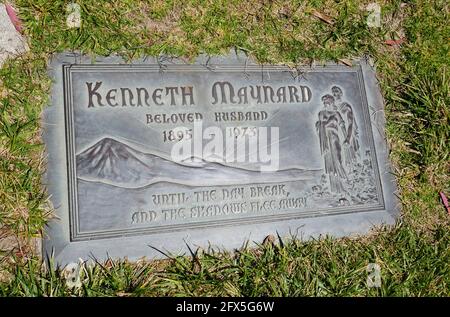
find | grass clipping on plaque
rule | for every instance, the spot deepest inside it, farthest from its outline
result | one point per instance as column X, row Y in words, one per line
column 411, row 54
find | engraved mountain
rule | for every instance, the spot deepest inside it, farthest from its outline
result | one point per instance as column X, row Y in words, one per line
column 112, row 162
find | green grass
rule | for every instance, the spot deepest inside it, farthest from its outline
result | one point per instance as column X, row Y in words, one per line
column 410, row 266
column 413, row 255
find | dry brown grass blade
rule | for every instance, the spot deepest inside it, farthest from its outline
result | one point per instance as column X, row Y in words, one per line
column 346, row 62
column 322, row 17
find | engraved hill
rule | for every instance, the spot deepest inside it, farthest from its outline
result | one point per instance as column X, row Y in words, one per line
column 112, row 162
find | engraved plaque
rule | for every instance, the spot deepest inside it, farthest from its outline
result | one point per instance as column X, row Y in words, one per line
column 162, row 153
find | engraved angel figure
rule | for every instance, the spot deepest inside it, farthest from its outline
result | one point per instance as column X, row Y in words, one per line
column 331, row 130
column 351, row 144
